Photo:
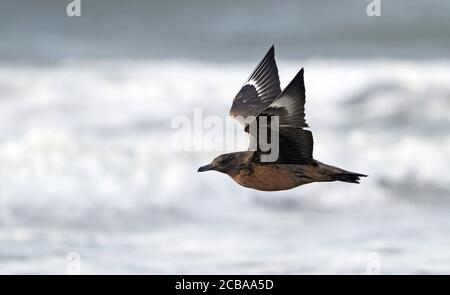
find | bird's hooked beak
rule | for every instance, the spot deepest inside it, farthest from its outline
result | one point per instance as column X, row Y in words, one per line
column 206, row 168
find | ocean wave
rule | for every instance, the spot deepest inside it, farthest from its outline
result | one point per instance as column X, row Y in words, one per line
column 90, row 142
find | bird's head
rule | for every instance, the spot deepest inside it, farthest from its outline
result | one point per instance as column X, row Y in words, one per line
column 226, row 163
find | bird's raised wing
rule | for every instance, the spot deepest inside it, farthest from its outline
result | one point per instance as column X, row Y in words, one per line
column 259, row 91
column 295, row 143
column 290, row 105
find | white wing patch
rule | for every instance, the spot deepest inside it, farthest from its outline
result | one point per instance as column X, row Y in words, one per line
column 254, row 83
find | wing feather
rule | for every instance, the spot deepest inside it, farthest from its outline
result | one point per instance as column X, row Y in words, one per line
column 260, row 89
column 295, row 143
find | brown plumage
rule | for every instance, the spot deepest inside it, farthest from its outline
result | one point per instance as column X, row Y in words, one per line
column 261, row 96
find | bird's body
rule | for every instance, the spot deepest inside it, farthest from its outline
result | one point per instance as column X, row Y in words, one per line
column 261, row 97
column 276, row 177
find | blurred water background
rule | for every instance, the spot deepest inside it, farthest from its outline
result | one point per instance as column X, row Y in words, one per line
column 87, row 165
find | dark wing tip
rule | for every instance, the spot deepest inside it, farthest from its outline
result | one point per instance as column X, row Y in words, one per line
column 289, row 106
column 260, row 89
column 296, row 86
column 270, row 54
column 300, row 74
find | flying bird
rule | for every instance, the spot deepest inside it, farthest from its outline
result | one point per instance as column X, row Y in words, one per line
column 261, row 96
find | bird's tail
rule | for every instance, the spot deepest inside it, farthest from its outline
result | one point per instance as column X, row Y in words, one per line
column 348, row 177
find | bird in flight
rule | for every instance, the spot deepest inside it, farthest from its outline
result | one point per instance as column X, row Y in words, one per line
column 261, row 98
